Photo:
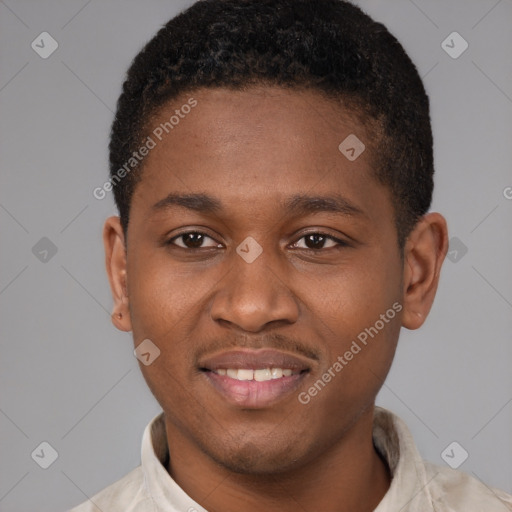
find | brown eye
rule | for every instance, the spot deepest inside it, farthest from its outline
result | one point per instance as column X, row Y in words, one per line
column 193, row 240
column 316, row 241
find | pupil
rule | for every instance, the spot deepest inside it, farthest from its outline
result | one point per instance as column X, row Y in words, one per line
column 193, row 239
column 317, row 241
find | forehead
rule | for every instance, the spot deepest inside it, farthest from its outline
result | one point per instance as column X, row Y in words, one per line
column 261, row 143
column 271, row 116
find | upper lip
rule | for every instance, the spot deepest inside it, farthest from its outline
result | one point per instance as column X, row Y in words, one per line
column 255, row 359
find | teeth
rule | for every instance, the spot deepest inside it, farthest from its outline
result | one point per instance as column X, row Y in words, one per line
column 245, row 374
column 259, row 375
column 277, row 373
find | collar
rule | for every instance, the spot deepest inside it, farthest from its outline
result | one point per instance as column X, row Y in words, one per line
column 391, row 437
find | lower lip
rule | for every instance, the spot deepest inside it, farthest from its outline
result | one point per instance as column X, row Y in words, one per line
column 253, row 394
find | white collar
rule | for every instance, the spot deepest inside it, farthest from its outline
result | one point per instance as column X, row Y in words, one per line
column 391, row 437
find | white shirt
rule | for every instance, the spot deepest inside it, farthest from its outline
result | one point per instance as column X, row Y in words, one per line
column 416, row 485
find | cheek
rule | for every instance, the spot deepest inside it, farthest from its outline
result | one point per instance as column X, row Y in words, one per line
column 163, row 297
column 355, row 295
column 358, row 312
column 360, row 333
column 164, row 305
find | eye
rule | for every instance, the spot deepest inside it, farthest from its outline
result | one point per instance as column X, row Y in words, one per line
column 193, row 240
column 316, row 241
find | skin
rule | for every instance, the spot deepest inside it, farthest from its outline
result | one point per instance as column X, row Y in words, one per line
column 252, row 150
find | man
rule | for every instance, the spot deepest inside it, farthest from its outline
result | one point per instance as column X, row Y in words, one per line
column 272, row 166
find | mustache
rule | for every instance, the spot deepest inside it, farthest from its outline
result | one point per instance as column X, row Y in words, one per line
column 269, row 341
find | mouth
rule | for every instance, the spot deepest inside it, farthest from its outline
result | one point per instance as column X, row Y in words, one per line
column 255, row 379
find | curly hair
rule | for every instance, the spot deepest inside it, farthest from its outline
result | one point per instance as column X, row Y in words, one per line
column 329, row 46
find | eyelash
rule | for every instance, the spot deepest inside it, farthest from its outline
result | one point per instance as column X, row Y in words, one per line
column 340, row 243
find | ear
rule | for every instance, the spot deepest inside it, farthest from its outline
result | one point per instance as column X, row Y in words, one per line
column 115, row 260
column 424, row 253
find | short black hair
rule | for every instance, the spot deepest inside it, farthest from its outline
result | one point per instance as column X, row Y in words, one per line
column 329, row 46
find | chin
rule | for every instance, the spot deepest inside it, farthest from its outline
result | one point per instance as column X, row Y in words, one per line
column 256, row 458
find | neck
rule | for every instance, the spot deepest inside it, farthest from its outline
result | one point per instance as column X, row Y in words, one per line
column 350, row 476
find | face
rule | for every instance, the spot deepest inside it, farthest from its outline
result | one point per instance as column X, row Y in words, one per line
column 257, row 250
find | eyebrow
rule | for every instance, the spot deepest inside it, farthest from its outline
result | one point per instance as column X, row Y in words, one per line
column 201, row 203
column 302, row 204
column 297, row 205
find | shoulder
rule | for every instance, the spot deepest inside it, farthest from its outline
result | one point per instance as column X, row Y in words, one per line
column 126, row 495
column 453, row 490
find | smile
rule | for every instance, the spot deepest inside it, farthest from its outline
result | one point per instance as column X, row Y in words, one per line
column 259, row 375
column 255, row 379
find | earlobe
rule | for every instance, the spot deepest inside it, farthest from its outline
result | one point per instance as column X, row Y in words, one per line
column 115, row 261
column 424, row 253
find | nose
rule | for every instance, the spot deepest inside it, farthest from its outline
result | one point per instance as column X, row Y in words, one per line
column 253, row 295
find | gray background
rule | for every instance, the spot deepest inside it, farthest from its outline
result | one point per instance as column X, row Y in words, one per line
column 68, row 377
